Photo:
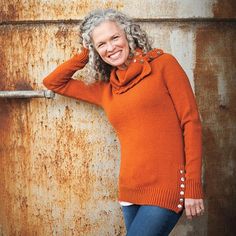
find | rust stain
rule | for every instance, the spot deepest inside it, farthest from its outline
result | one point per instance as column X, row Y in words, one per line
column 84, row 5
column 12, row 147
column 61, row 36
column 65, row 156
column 22, row 85
column 62, row 33
column 116, row 5
column 225, row 9
column 2, row 67
column 215, row 88
column 34, row 10
column 14, row 135
column 4, row 121
column 14, row 60
column 10, row 14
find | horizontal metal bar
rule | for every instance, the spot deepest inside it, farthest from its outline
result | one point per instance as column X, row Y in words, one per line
column 163, row 19
column 27, row 94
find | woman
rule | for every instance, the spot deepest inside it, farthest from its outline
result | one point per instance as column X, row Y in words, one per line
column 148, row 99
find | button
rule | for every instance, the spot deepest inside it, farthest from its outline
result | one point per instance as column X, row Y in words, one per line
column 134, row 60
column 179, row 206
column 182, row 178
column 181, row 199
column 181, row 171
column 181, row 192
column 159, row 52
column 182, row 185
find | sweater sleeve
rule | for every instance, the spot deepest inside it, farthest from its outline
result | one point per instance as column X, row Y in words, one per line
column 185, row 105
column 60, row 81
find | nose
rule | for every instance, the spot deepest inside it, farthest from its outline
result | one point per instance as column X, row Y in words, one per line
column 110, row 47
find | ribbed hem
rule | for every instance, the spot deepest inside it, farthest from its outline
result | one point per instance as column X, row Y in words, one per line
column 193, row 189
column 159, row 196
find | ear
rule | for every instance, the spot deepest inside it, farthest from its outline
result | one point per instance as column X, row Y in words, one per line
column 85, row 44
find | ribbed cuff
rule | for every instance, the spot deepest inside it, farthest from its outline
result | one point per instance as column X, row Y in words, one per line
column 193, row 189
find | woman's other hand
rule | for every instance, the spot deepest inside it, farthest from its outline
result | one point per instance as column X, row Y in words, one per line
column 193, row 207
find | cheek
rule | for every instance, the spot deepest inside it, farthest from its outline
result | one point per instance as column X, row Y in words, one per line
column 126, row 46
column 127, row 50
column 100, row 52
column 102, row 55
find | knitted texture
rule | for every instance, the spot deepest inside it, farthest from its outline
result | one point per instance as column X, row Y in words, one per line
column 153, row 111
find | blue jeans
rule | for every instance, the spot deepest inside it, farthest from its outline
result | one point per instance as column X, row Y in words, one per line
column 143, row 220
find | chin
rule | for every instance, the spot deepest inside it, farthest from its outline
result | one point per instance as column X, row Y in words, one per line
column 118, row 63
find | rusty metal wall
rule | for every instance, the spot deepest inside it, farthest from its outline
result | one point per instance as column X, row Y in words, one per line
column 20, row 10
column 59, row 158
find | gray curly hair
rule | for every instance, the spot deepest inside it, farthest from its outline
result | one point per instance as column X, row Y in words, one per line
column 136, row 37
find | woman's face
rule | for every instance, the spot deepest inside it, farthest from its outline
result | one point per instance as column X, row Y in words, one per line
column 111, row 44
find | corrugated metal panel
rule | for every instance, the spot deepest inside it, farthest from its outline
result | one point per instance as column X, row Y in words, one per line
column 16, row 10
column 59, row 158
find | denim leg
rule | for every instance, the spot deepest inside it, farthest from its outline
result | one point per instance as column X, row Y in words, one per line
column 129, row 212
column 153, row 221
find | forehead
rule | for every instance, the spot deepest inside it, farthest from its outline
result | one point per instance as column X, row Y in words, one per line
column 105, row 30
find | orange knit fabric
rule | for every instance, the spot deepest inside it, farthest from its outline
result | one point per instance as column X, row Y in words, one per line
column 153, row 111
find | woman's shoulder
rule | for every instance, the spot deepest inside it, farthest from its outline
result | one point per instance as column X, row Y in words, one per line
column 154, row 53
column 160, row 55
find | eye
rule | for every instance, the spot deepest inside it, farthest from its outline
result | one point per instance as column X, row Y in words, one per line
column 116, row 37
column 100, row 45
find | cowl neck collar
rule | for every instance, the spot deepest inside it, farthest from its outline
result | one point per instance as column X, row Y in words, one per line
column 138, row 68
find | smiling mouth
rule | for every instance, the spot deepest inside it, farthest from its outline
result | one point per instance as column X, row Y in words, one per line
column 115, row 55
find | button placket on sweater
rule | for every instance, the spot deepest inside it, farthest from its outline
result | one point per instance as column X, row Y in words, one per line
column 182, row 187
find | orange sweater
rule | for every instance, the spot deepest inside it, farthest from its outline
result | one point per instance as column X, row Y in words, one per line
column 153, row 111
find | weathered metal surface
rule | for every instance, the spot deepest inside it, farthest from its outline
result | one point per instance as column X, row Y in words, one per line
column 224, row 9
column 57, row 176
column 59, row 158
column 27, row 94
column 62, row 9
column 215, row 75
column 178, row 39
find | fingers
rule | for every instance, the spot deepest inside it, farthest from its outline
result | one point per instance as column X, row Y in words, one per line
column 193, row 207
column 188, row 212
column 201, row 205
column 198, row 210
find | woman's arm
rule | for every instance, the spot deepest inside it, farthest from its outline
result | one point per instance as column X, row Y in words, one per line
column 183, row 99
column 60, row 81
